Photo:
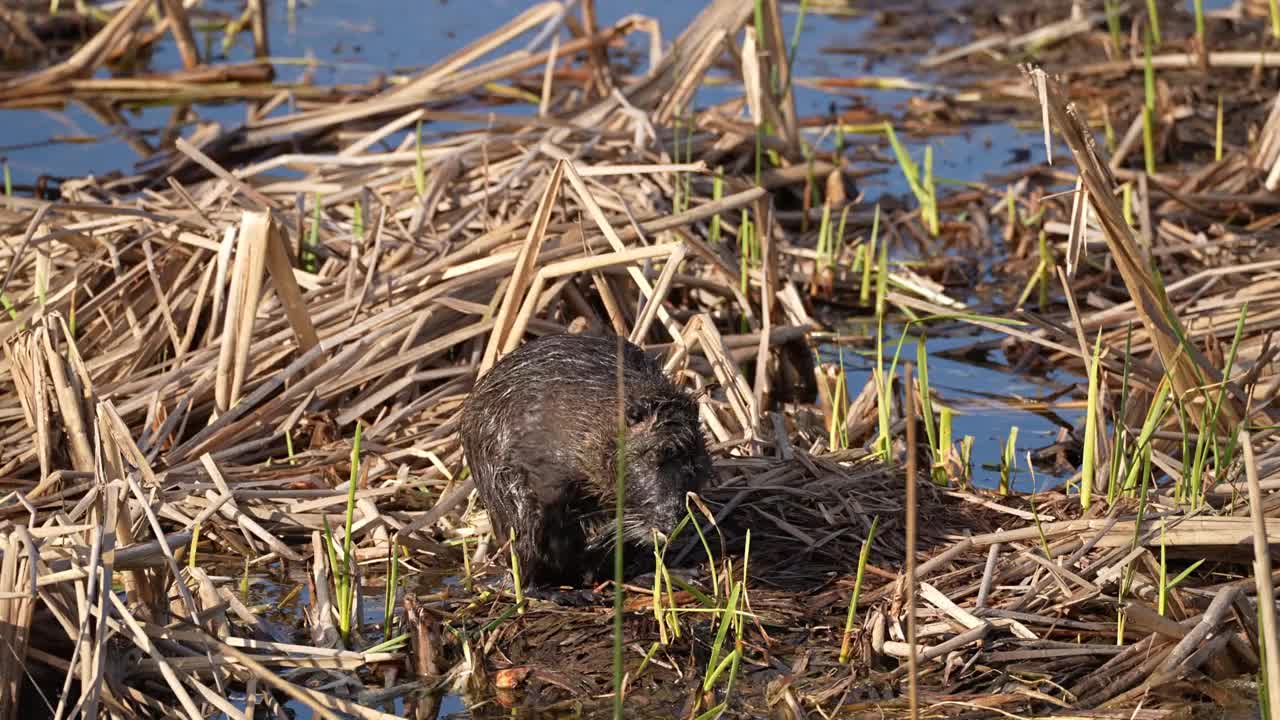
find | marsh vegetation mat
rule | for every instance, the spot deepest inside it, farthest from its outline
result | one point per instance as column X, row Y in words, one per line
column 230, row 478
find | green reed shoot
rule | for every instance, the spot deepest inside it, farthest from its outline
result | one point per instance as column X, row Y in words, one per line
column 659, row 570
column 244, row 582
column 1149, row 107
column 1153, row 13
column 1040, row 277
column 930, row 188
column 717, row 192
column 8, row 179
column 1207, row 438
column 195, row 545
column 824, row 254
column 1126, row 203
column 1112, row 10
column 1142, row 448
column 1198, row 6
column 921, row 184
column 882, row 279
column 1035, row 514
column 515, row 574
column 310, row 262
column 839, row 237
column 662, row 579
column 863, row 554
column 944, row 439
column 1009, row 461
column 467, row 581
column 937, row 448
column 884, row 395
column 393, row 583
column 680, row 202
column 391, row 644
column 706, row 548
column 1126, row 578
column 1091, row 427
column 757, row 17
column 653, row 650
column 746, row 256
column 869, row 252
column 71, row 310
column 1120, row 434
column 795, row 44
column 9, row 307
column 357, row 221
column 1217, row 132
column 838, row 430
column 419, row 166
column 726, row 620
column 288, row 447
column 343, row 577
column 748, row 248
column 1275, row 23
column 1046, row 263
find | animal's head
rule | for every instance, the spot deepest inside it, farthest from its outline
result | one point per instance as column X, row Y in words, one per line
column 666, row 458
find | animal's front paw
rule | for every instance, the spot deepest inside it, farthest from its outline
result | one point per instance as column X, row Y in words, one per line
column 570, row 597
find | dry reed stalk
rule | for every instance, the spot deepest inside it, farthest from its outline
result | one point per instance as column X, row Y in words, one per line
column 1187, row 368
column 1262, row 576
column 912, row 520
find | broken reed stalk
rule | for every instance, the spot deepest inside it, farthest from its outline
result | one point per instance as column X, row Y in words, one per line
column 1187, row 368
column 1262, row 576
column 912, row 511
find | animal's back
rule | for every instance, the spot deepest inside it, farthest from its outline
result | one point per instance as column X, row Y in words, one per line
column 539, row 431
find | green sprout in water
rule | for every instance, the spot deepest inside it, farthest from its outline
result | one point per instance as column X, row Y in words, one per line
column 1009, row 461
column 1153, row 13
column 921, row 184
column 309, row 259
column 1091, row 428
column 343, row 573
column 857, row 589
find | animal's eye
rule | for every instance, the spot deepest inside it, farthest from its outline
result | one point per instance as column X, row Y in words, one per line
column 636, row 413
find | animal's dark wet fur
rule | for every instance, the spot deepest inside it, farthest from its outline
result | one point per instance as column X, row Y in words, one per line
column 540, row 434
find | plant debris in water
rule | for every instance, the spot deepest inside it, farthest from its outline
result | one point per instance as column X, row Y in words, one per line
column 246, row 359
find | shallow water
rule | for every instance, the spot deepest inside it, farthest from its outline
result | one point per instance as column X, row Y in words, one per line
column 357, row 39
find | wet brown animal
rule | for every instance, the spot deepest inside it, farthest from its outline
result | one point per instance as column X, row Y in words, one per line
column 540, row 435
